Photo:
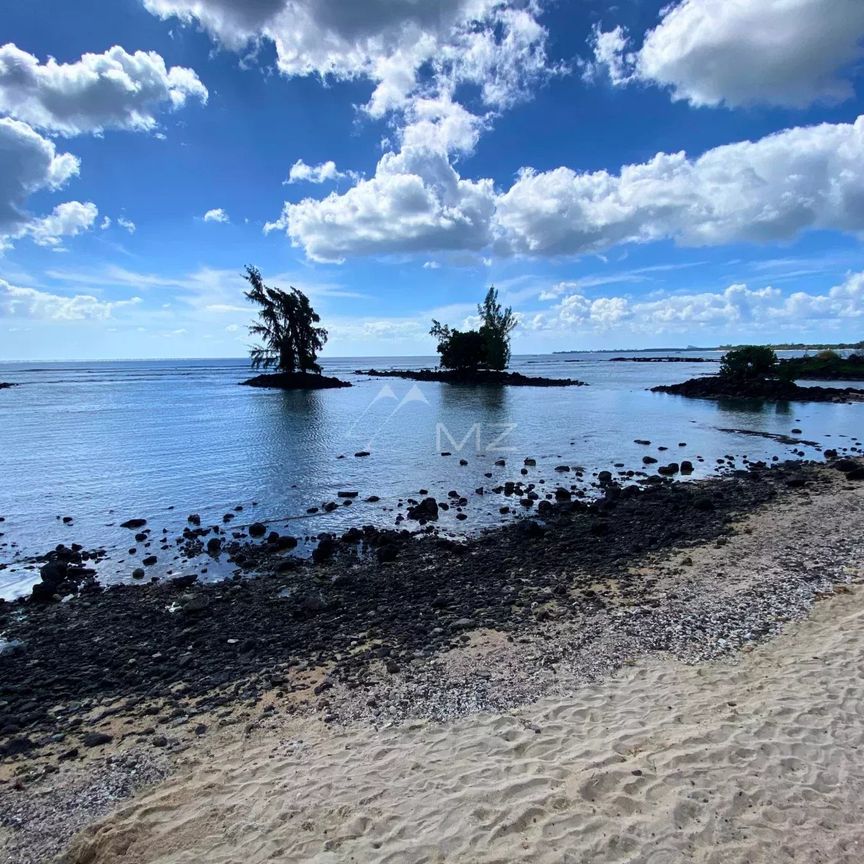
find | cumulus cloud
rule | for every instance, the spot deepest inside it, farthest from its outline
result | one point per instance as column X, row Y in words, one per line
column 216, row 215
column 496, row 45
column 416, row 201
column 32, row 164
column 126, row 224
column 763, row 191
column 66, row 220
column 769, row 190
column 302, row 173
column 736, row 52
column 439, row 123
column 113, row 90
column 418, row 57
column 30, row 303
column 738, row 307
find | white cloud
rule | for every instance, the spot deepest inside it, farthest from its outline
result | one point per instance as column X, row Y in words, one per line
column 416, row 201
column 32, row 164
column 769, row 190
column 216, row 215
column 302, row 173
column 743, row 52
column 113, row 90
column 493, row 43
column 610, row 55
column 410, row 51
column 106, row 223
column 418, row 56
column 738, row 308
column 126, row 224
column 764, row 191
column 66, row 220
column 29, row 303
column 441, row 124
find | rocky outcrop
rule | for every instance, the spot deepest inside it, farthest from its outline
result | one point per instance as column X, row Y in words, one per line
column 769, row 389
column 295, row 381
column 472, row 377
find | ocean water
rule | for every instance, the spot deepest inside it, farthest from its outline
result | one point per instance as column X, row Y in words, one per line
column 105, row 442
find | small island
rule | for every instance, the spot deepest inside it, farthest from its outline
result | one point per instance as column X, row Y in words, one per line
column 827, row 365
column 476, row 357
column 472, row 377
column 288, row 328
column 754, row 372
column 295, row 381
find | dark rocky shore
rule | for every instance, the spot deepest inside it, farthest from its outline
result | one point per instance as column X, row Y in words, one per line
column 295, row 381
column 772, row 390
column 174, row 651
column 469, row 378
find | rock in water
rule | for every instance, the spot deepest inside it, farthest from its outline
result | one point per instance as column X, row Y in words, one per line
column 425, row 511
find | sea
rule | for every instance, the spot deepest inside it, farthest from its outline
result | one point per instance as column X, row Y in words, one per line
column 103, row 442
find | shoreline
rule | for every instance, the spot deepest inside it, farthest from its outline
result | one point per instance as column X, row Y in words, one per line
column 577, row 604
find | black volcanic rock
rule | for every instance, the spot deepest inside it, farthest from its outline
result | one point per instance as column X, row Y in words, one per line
column 295, row 381
column 471, row 378
column 769, row 389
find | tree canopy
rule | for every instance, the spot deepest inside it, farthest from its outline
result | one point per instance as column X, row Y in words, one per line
column 286, row 325
column 749, row 363
column 498, row 324
column 485, row 348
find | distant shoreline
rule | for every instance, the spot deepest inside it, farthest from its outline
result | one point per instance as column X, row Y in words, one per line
column 841, row 346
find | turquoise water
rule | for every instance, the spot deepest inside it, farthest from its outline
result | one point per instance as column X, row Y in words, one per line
column 105, row 442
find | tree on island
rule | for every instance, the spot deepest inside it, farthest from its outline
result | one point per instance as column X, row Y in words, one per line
column 485, row 348
column 749, row 363
column 287, row 326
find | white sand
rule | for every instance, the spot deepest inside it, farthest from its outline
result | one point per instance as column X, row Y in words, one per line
column 759, row 762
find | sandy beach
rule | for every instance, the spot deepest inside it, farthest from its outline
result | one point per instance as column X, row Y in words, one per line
column 758, row 761
column 536, row 744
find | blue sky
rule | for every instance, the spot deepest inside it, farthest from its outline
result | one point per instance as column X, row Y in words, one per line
column 630, row 175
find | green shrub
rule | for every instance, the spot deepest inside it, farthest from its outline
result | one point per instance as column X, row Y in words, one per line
column 749, row 363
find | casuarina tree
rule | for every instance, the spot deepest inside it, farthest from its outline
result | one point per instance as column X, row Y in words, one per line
column 287, row 327
column 498, row 324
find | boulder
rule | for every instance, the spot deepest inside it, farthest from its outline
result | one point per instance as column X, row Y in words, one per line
column 425, row 511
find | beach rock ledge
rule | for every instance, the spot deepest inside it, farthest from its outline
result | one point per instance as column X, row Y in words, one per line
column 295, row 381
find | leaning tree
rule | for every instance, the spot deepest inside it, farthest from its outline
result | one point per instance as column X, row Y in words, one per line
column 286, row 325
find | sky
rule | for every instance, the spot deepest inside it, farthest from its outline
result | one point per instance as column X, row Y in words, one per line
column 628, row 174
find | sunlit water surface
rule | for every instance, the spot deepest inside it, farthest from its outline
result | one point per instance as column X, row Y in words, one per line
column 104, row 442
